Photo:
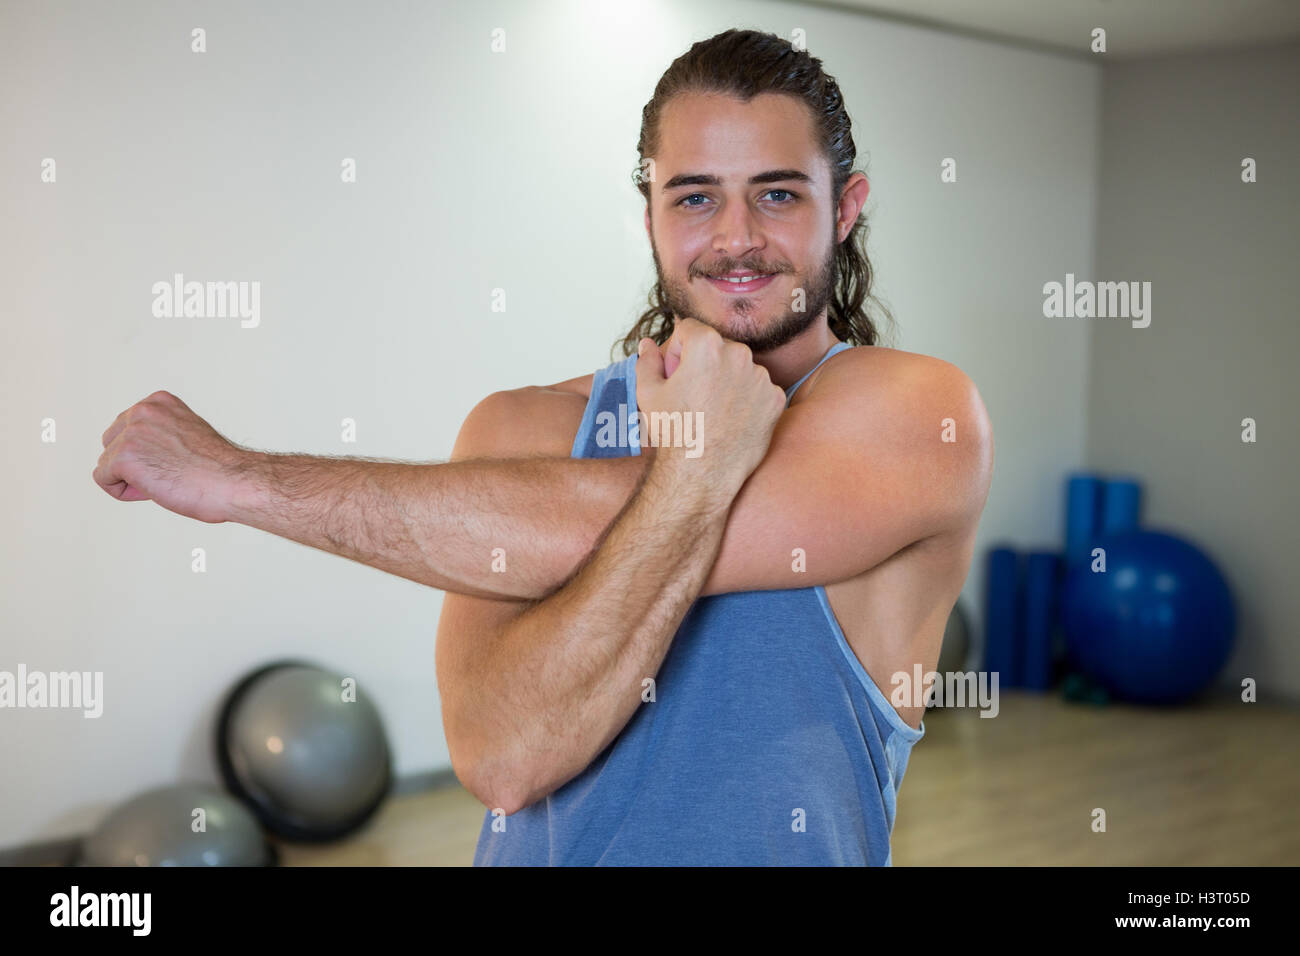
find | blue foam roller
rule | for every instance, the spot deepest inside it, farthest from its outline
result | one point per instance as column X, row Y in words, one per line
column 1041, row 591
column 1082, row 515
column 1001, row 614
column 1120, row 500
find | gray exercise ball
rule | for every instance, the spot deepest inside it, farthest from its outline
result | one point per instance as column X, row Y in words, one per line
column 956, row 641
column 161, row 827
column 305, row 750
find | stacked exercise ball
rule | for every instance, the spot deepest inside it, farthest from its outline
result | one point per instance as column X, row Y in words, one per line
column 181, row 825
column 1141, row 615
column 309, row 758
column 302, row 751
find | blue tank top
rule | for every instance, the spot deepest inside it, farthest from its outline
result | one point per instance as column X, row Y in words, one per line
column 767, row 742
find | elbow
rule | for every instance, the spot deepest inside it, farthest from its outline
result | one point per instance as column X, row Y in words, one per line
column 493, row 780
column 497, row 788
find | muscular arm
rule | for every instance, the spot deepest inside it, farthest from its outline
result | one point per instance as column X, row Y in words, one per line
column 854, row 473
column 441, row 524
column 531, row 696
column 529, row 704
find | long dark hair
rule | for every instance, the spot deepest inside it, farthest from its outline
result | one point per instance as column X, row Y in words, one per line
column 745, row 63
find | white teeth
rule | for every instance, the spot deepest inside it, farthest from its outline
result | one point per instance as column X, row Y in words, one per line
column 742, row 279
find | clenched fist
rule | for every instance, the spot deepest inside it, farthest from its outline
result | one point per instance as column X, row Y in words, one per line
column 159, row 450
column 698, row 372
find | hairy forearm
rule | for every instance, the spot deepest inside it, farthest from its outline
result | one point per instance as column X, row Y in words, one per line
column 557, row 685
column 455, row 526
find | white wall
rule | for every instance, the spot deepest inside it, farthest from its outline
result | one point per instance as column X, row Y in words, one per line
column 1167, row 402
column 476, row 171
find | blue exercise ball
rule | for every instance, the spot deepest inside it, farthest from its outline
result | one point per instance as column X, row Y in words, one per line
column 1157, row 625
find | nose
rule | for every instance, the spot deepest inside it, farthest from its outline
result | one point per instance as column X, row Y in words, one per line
column 737, row 233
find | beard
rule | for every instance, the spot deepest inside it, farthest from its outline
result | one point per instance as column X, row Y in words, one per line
column 742, row 320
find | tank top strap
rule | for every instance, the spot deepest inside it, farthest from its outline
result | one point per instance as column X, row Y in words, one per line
column 834, row 349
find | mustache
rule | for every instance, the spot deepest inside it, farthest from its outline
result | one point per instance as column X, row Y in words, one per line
column 725, row 267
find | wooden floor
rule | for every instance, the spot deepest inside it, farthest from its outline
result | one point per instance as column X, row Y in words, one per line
column 1218, row 784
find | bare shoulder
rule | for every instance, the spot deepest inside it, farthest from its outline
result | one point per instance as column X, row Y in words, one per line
column 536, row 420
column 577, row 386
column 901, row 384
column 886, row 370
column 920, row 408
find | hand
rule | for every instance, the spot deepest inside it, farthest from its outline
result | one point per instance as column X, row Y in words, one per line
column 159, row 450
column 698, row 371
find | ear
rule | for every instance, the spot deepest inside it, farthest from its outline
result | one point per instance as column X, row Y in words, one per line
column 852, row 199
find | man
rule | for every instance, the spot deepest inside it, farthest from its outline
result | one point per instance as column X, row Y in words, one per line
column 672, row 655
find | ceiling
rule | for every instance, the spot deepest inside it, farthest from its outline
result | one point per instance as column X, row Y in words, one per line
column 1134, row 28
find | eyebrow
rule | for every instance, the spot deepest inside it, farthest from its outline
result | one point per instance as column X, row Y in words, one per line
column 771, row 176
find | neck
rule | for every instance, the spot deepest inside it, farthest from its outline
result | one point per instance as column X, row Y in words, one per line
column 789, row 363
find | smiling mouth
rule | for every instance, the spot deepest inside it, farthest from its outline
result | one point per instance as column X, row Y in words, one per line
column 750, row 282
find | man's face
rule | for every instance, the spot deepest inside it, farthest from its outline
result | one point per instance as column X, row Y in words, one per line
column 741, row 189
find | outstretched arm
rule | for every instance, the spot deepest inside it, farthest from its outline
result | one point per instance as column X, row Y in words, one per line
column 452, row 526
column 878, row 456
